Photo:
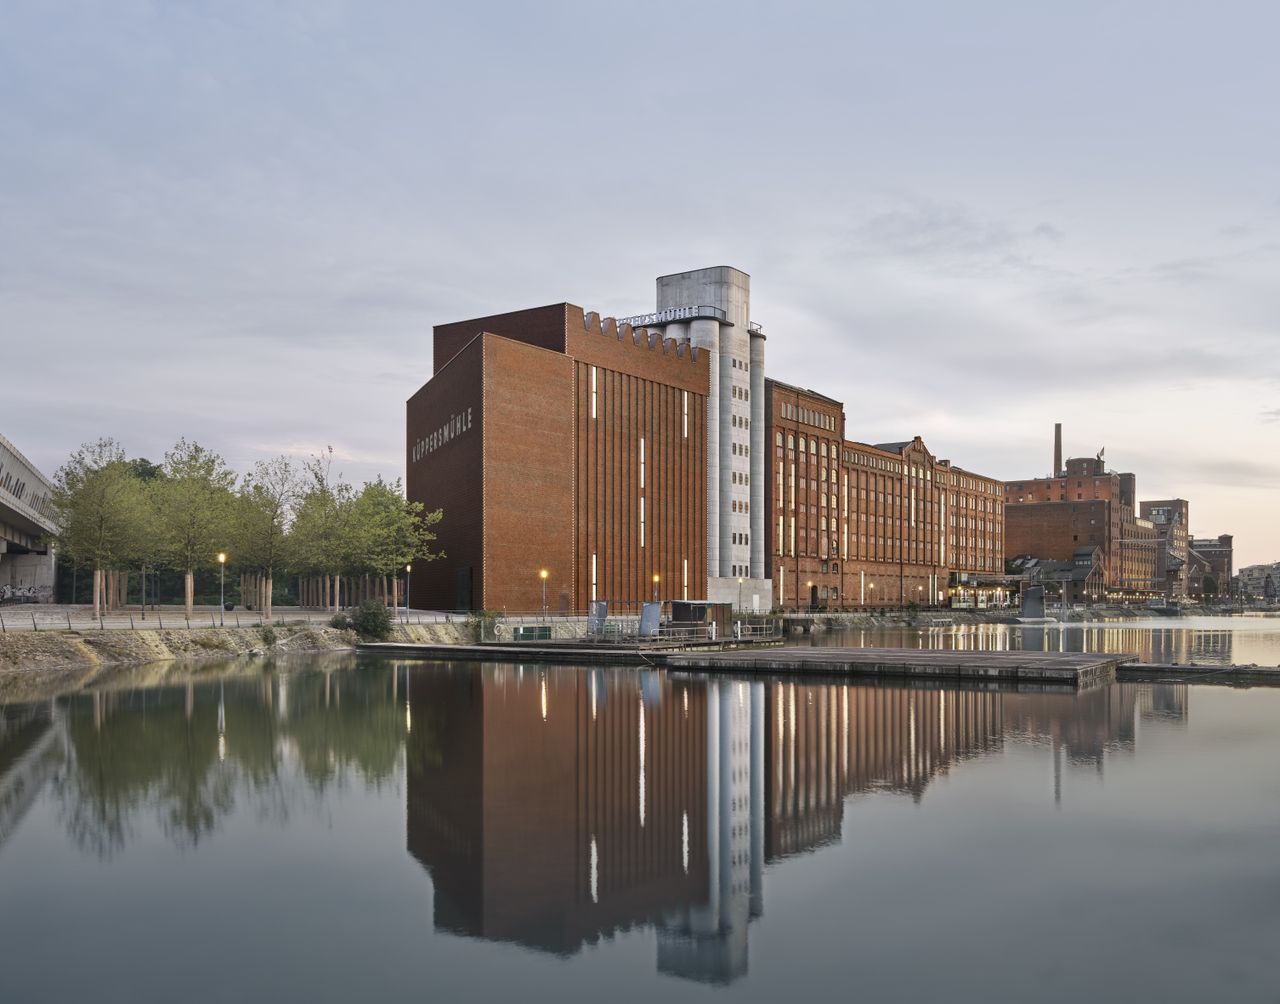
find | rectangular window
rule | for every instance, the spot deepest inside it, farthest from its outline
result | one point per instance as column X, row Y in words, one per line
column 684, row 581
column 642, row 461
column 593, row 575
column 593, row 392
column 685, row 405
column 642, row 522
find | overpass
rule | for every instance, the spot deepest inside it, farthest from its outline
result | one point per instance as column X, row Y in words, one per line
column 26, row 518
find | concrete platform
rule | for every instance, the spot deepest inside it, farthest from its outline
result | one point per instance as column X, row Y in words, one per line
column 563, row 653
column 1055, row 668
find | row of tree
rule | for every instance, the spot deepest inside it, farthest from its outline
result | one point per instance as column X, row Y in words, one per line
column 116, row 515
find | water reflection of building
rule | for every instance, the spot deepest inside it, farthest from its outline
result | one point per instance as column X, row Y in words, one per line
column 1163, row 702
column 553, row 807
column 30, row 752
column 1084, row 725
column 829, row 741
column 707, row 940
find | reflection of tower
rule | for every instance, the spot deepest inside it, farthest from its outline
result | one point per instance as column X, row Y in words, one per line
column 708, row 941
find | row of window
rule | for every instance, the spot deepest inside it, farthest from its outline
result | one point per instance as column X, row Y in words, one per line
column 808, row 416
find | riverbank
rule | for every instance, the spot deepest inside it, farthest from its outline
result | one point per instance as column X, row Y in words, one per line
column 69, row 660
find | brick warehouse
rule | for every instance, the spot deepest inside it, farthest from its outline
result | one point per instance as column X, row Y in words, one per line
column 1082, row 504
column 856, row 525
column 556, row 440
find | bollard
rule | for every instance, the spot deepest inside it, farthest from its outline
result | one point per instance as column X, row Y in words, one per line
column 131, row 627
column 68, row 622
column 237, row 620
column 188, row 620
column 102, row 625
column 160, row 620
column 34, row 625
column 212, row 622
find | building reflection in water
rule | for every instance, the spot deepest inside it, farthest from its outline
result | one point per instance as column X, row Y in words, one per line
column 556, row 807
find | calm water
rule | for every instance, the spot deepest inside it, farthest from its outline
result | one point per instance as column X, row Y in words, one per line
column 1219, row 641
column 334, row 831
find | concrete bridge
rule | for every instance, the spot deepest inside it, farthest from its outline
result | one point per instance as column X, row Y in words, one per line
column 26, row 561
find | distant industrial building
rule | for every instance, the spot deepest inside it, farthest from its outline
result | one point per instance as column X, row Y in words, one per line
column 1085, row 504
column 1170, row 519
column 26, row 521
column 1214, row 562
column 1260, row 582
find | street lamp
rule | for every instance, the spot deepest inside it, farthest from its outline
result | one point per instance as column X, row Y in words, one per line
column 542, row 574
column 222, row 589
column 407, row 570
column 872, row 587
column 656, row 579
column 739, row 592
column 809, row 586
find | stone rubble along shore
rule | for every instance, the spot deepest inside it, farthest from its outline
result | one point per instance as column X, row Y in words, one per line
column 77, row 657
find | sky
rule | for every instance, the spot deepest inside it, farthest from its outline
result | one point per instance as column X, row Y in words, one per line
column 238, row 221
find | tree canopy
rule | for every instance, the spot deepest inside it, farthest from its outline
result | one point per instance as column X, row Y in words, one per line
column 115, row 514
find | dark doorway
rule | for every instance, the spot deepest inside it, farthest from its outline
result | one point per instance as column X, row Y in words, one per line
column 462, row 588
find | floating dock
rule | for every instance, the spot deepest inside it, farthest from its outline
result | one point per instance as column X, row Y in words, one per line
column 1065, row 669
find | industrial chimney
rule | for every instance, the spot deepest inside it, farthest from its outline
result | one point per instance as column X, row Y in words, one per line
column 1057, row 449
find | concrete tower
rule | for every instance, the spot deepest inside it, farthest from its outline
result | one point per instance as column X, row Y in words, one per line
column 711, row 308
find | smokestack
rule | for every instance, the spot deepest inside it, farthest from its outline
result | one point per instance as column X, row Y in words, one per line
column 1057, row 449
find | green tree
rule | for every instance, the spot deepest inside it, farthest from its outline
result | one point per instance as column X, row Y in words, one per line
column 322, row 539
column 102, row 512
column 193, row 505
column 264, row 510
column 392, row 531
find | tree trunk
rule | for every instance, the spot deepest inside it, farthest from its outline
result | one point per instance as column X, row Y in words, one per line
column 267, row 601
column 189, row 591
column 97, row 592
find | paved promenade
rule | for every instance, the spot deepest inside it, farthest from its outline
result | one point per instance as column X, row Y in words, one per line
column 63, row 617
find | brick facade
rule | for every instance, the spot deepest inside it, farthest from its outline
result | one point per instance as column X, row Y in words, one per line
column 1085, row 505
column 582, row 451
column 857, row 525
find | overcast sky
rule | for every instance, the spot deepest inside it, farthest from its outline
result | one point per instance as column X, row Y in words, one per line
column 238, row 221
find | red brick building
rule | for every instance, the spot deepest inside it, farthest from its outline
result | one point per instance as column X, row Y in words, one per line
column 858, row 525
column 556, row 441
column 1085, row 504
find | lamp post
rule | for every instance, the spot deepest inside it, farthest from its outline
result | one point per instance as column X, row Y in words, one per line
column 809, row 586
column 739, row 592
column 872, row 587
column 656, row 579
column 919, row 595
column 542, row 574
column 222, row 589
column 407, row 570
